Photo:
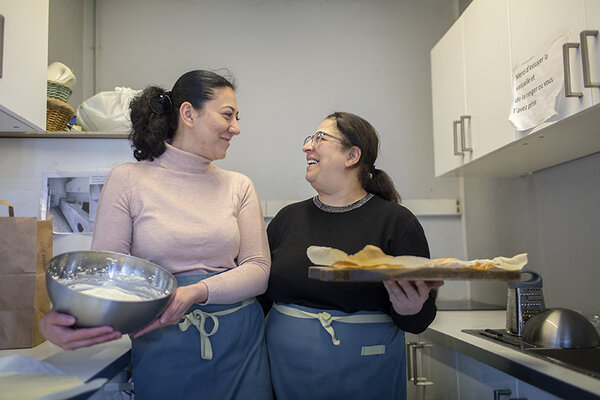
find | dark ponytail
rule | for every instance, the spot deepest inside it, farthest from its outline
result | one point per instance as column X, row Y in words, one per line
column 381, row 184
column 149, row 129
column 360, row 133
column 155, row 112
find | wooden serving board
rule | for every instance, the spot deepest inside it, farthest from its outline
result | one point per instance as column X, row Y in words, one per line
column 402, row 274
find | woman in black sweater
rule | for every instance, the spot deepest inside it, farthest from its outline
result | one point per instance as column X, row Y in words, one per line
column 330, row 340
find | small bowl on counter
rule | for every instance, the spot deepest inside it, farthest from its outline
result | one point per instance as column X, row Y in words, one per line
column 105, row 288
column 560, row 328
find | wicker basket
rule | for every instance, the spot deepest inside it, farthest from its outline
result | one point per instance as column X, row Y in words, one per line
column 58, row 91
column 58, row 113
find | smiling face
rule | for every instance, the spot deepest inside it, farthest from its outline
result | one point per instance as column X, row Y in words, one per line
column 328, row 161
column 209, row 130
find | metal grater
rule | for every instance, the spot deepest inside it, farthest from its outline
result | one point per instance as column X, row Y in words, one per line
column 524, row 300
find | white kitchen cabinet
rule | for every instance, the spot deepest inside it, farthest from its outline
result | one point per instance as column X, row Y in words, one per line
column 477, row 380
column 471, row 86
column 529, row 392
column 435, row 371
column 480, row 381
column 536, row 23
column 448, row 99
column 593, row 43
column 24, row 65
column 431, row 370
column 488, row 76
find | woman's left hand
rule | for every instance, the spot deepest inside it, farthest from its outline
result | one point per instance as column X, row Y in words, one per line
column 408, row 297
column 181, row 301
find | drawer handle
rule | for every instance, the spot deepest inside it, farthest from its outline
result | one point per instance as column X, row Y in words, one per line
column 455, row 131
column 412, row 373
column 567, row 69
column 585, row 58
column 462, row 132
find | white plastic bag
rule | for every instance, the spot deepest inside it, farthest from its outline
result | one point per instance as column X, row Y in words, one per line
column 107, row 111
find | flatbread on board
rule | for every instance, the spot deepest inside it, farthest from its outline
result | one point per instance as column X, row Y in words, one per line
column 371, row 257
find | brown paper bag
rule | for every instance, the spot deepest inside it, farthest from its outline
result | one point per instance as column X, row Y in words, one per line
column 25, row 248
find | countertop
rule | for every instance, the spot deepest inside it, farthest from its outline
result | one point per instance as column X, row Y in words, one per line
column 446, row 330
column 103, row 360
column 108, row 359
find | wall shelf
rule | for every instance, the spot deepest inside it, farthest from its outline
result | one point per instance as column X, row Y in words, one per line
column 65, row 135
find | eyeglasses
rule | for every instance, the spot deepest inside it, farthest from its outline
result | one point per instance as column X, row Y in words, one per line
column 315, row 139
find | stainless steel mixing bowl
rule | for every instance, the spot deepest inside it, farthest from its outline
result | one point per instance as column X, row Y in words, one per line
column 143, row 278
column 560, row 327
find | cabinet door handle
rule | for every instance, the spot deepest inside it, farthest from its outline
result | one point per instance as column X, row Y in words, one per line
column 409, row 361
column 455, row 132
column 1, row 43
column 506, row 392
column 412, row 368
column 585, row 58
column 462, row 132
column 501, row 392
column 567, row 69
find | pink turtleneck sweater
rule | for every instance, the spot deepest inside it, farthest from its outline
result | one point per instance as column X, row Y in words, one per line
column 183, row 213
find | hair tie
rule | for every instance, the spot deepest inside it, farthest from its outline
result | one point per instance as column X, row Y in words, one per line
column 373, row 170
column 161, row 104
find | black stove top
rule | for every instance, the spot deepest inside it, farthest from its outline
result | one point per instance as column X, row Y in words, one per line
column 585, row 361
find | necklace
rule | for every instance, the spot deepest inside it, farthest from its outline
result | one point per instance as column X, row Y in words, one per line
column 341, row 209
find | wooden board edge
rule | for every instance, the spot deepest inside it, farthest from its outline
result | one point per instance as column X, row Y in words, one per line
column 373, row 275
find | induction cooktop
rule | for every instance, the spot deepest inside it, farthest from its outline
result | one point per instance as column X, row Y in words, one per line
column 585, row 361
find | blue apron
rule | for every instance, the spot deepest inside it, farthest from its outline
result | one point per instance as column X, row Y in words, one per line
column 228, row 361
column 328, row 354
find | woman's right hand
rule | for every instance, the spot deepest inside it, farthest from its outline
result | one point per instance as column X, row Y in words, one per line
column 58, row 329
column 182, row 299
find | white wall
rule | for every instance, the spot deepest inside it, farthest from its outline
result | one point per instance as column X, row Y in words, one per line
column 66, row 41
column 295, row 61
column 554, row 216
column 298, row 60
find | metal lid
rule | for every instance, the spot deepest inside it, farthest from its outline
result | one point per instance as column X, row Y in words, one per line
column 560, row 327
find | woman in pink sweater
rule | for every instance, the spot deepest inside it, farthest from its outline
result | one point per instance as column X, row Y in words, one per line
column 203, row 224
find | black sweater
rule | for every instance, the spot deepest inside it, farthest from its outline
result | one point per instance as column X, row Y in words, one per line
column 387, row 225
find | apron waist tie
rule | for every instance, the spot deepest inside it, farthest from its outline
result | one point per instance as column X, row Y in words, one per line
column 326, row 319
column 198, row 317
